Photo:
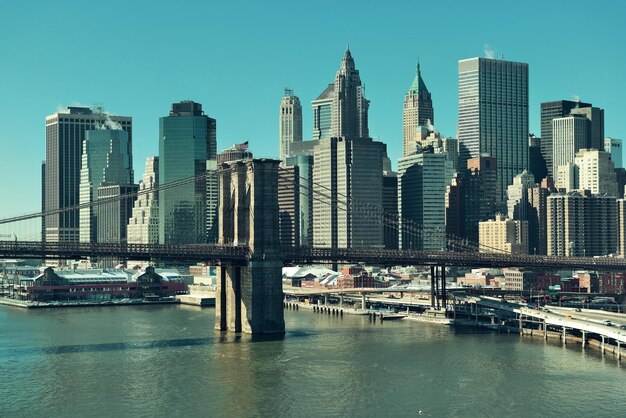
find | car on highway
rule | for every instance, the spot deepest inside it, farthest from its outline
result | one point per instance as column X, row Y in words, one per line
column 607, row 323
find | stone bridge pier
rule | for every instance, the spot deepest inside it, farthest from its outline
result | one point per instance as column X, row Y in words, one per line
column 249, row 298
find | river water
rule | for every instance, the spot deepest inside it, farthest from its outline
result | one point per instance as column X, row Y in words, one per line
column 162, row 361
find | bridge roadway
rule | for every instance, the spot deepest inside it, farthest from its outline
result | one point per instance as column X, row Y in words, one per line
column 585, row 320
column 301, row 256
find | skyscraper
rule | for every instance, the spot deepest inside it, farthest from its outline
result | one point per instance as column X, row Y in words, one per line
column 65, row 133
column 570, row 134
column 322, row 113
column 479, row 194
column 595, row 115
column 349, row 107
column 106, row 161
column 290, row 123
column 187, row 142
column 347, row 182
column 550, row 111
column 493, row 115
column 421, row 200
column 418, row 111
column 614, row 147
column 596, row 172
column 143, row 226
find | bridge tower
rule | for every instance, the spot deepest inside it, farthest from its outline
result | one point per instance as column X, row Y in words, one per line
column 250, row 298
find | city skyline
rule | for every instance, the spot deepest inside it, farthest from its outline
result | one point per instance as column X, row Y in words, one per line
column 246, row 57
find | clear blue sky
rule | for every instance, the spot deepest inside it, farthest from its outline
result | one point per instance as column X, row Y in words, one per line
column 137, row 57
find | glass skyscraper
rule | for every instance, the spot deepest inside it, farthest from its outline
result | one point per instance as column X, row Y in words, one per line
column 187, row 148
column 493, row 115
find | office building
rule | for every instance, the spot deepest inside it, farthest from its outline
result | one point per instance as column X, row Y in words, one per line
column 390, row 208
column 234, row 153
column 348, row 175
column 517, row 280
column 596, row 172
column 550, row 111
column 305, row 197
column 621, row 220
column 418, row 111
column 493, row 116
column 536, row 162
column 112, row 217
column 455, row 207
column 570, row 134
column 421, row 200
column 503, row 235
column 187, row 140
column 517, row 196
column 567, row 177
column 614, row 147
column 537, row 216
column 349, row 110
column 106, row 161
column 289, row 124
column 143, row 225
column 595, row 116
column 289, row 206
column 65, row 133
column 581, row 224
column 479, row 194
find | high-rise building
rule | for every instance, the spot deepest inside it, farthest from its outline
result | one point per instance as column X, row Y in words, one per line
column 455, row 207
column 567, row 177
column 581, row 224
column 349, row 106
column 550, row 111
column 187, row 141
column 290, row 123
column 304, row 209
column 418, row 111
column 479, row 194
column 596, row 172
column 503, row 235
column 537, row 216
column 421, row 200
column 621, row 219
column 106, row 161
column 322, row 113
column 569, row 134
column 112, row 217
column 390, row 208
column 143, row 226
column 289, row 206
column 595, row 135
column 517, row 196
column 493, row 115
column 614, row 147
column 347, row 176
column 536, row 161
column 65, row 133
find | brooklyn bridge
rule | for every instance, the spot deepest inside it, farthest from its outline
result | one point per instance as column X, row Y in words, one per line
column 250, row 257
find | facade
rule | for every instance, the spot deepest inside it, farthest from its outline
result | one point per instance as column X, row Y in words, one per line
column 517, row 280
column 290, row 123
column 112, row 217
column 421, row 200
column 479, row 194
column 503, row 235
column 493, row 115
column 349, row 108
column 596, row 172
column 390, row 208
column 595, row 116
column 347, row 178
column 143, row 225
column 621, row 222
column 304, row 164
column 517, row 202
column 187, row 140
column 550, row 111
column 289, row 206
column 614, row 147
column 537, row 216
column 65, row 133
column 418, row 111
column 567, row 177
column 106, row 161
column 322, row 113
column 536, row 161
column 570, row 134
column 581, row 224
column 455, row 207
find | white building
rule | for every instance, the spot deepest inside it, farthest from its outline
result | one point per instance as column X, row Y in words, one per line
column 143, row 226
column 596, row 172
column 290, row 123
column 569, row 134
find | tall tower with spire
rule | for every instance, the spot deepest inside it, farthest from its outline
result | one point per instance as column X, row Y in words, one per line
column 290, row 123
column 349, row 105
column 418, row 111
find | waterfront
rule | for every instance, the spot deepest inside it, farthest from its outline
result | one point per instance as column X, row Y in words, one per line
column 168, row 360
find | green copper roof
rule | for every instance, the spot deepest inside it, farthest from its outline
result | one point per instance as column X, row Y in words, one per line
column 418, row 84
